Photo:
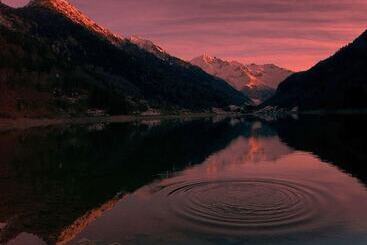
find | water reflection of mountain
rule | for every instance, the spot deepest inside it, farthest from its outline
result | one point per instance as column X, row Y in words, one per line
column 52, row 177
column 212, row 202
column 340, row 140
column 55, row 181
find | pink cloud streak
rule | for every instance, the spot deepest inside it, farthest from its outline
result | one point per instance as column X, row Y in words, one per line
column 290, row 33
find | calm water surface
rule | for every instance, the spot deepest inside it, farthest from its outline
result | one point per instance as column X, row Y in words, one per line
column 205, row 181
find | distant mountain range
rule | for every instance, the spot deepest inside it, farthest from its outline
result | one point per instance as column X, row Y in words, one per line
column 259, row 82
column 56, row 61
column 339, row 82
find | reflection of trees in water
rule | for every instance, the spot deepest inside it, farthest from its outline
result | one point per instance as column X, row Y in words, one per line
column 340, row 140
column 54, row 181
column 51, row 177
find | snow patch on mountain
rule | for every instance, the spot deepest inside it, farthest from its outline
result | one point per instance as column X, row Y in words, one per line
column 257, row 81
column 269, row 74
column 235, row 73
column 149, row 46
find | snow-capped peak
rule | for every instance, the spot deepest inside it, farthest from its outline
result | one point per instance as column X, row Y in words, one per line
column 149, row 46
column 207, row 58
column 68, row 10
column 269, row 74
column 249, row 74
column 146, row 44
column 251, row 79
column 235, row 73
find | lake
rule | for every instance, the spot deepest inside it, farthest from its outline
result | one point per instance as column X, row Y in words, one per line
column 244, row 180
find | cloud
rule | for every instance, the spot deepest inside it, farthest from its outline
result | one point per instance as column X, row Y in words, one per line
column 292, row 33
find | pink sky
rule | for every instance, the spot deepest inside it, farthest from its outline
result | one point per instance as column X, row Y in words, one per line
column 291, row 33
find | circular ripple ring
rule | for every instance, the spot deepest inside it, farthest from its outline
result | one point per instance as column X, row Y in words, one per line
column 246, row 203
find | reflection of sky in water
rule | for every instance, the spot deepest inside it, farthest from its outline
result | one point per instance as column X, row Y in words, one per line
column 254, row 182
column 210, row 181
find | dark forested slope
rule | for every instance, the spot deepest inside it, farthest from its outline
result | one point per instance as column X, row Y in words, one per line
column 339, row 82
column 54, row 61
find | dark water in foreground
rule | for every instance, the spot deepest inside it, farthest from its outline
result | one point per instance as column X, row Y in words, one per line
column 204, row 181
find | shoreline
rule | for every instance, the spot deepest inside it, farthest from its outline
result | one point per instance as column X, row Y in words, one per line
column 26, row 123
column 7, row 124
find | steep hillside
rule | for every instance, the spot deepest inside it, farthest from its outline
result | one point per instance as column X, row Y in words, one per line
column 56, row 61
column 339, row 82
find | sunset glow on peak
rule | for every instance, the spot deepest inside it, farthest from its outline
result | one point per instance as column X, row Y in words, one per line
column 183, row 122
column 291, row 34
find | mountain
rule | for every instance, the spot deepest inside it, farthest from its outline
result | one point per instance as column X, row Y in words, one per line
column 269, row 74
column 56, row 61
column 149, row 46
column 257, row 81
column 65, row 8
column 339, row 82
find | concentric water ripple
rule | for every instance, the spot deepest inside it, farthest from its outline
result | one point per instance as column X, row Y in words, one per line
column 249, row 204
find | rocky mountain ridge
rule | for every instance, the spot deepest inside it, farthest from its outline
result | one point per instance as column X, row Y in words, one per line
column 257, row 81
column 56, row 61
